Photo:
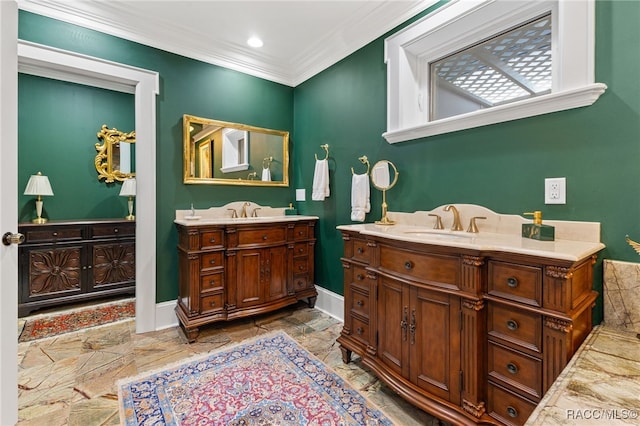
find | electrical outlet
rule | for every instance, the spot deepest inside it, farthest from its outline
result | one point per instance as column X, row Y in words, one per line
column 555, row 191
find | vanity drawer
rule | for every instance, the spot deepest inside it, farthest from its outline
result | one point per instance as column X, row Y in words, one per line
column 301, row 232
column 211, row 303
column 211, row 260
column 110, row 231
column 301, row 249
column 301, row 282
column 516, row 369
column 211, row 239
column 507, row 407
column 212, row 282
column 361, row 251
column 429, row 268
column 520, row 283
column 360, row 330
column 360, row 303
column 53, row 234
column 247, row 237
column 515, row 326
column 300, row 265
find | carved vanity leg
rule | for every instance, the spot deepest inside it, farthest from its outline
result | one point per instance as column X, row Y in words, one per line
column 346, row 355
column 312, row 301
column 191, row 333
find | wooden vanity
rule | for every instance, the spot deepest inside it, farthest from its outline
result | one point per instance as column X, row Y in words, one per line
column 465, row 330
column 235, row 268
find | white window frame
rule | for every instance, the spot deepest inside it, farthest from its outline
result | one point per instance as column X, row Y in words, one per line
column 461, row 23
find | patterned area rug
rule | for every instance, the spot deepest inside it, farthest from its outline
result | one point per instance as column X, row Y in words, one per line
column 52, row 325
column 269, row 380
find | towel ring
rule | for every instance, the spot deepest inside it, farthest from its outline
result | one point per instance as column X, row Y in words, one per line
column 266, row 162
column 326, row 148
column 363, row 160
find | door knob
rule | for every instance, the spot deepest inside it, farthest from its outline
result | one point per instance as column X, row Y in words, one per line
column 9, row 238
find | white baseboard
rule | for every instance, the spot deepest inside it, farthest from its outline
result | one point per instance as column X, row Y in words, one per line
column 166, row 315
column 328, row 302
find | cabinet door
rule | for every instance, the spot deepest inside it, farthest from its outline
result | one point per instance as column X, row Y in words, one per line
column 434, row 342
column 276, row 273
column 51, row 272
column 393, row 325
column 113, row 265
column 249, row 276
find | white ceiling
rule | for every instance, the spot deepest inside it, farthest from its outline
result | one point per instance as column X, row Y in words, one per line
column 301, row 37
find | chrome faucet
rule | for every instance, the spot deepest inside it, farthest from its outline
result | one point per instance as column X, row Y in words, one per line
column 457, row 226
column 244, row 209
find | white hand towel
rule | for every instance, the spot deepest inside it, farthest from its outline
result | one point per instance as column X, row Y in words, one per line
column 360, row 203
column 381, row 175
column 266, row 174
column 320, row 181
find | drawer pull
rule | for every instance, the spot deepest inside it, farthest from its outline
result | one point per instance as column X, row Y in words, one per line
column 512, row 282
column 212, row 304
column 212, row 262
column 360, row 277
column 408, row 265
column 264, row 237
column 115, row 230
column 512, row 368
column 55, row 234
column 300, row 250
column 212, row 240
column 512, row 325
column 512, row 412
column 360, row 303
column 360, row 250
column 359, row 331
column 212, row 282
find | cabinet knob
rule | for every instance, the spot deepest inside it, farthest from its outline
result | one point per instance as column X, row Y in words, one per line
column 115, row 230
column 359, row 330
column 360, row 250
column 212, row 282
column 512, row 325
column 55, row 234
column 512, row 282
column 512, row 412
column 512, row 368
column 360, row 277
column 360, row 303
column 408, row 265
column 212, row 240
column 264, row 237
column 212, row 304
column 212, row 261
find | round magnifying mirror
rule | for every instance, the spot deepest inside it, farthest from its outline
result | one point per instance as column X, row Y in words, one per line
column 384, row 175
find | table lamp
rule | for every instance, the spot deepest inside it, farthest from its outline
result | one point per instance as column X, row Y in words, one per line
column 129, row 190
column 38, row 185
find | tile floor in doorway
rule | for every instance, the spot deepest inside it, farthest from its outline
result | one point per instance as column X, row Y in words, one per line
column 70, row 379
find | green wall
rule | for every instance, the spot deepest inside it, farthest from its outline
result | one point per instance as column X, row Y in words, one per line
column 501, row 166
column 187, row 86
column 57, row 126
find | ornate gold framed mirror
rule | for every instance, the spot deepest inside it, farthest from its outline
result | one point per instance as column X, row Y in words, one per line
column 116, row 154
column 224, row 153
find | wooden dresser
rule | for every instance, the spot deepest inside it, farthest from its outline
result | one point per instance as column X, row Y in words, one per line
column 470, row 336
column 237, row 269
column 63, row 262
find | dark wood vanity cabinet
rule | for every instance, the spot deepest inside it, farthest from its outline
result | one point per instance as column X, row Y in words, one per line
column 62, row 262
column 467, row 336
column 241, row 269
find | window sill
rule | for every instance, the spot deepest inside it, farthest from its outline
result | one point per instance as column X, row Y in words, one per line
column 553, row 102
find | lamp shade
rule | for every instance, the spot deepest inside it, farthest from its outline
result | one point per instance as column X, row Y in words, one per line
column 38, row 185
column 128, row 188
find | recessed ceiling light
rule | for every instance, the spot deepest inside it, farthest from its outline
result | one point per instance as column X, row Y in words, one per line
column 254, row 42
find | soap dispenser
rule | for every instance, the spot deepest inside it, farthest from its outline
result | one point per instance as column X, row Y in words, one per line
column 291, row 211
column 537, row 230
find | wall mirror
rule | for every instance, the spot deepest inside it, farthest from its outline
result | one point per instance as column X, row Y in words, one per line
column 384, row 176
column 223, row 153
column 116, row 154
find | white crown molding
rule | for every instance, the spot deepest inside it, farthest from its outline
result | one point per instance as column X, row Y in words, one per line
column 355, row 34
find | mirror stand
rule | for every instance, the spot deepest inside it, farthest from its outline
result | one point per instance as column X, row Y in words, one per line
column 385, row 219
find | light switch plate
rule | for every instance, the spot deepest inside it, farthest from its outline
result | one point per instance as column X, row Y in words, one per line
column 301, row 195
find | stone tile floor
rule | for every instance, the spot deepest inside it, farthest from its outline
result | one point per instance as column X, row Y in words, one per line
column 70, row 379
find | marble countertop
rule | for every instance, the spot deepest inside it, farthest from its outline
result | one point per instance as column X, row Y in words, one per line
column 483, row 241
column 600, row 385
